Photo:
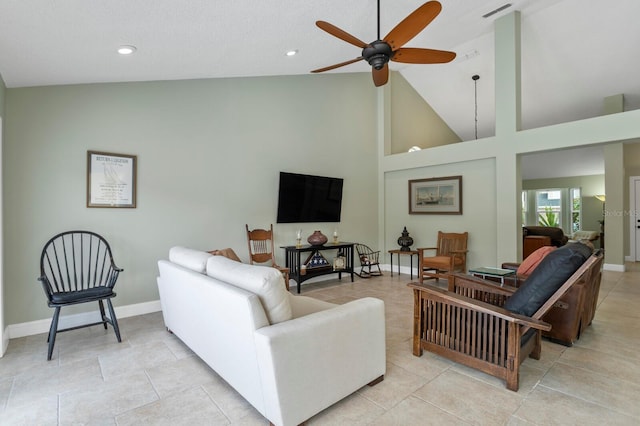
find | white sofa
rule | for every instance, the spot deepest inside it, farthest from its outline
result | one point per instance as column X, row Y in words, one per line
column 288, row 356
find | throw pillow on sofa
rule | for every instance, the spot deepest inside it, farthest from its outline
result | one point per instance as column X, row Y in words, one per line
column 264, row 281
column 529, row 264
column 226, row 252
column 548, row 277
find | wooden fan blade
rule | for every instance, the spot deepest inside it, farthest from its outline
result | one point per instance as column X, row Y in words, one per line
column 413, row 24
column 341, row 64
column 410, row 55
column 381, row 76
column 341, row 34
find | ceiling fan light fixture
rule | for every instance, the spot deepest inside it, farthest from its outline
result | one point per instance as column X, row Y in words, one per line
column 379, row 52
column 126, row 50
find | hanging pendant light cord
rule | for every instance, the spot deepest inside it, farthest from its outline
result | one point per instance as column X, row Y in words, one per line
column 475, row 82
column 378, row 19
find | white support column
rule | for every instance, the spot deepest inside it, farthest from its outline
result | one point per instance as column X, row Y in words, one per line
column 508, row 119
column 507, row 66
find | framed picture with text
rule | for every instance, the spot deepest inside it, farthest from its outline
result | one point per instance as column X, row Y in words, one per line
column 111, row 180
column 441, row 195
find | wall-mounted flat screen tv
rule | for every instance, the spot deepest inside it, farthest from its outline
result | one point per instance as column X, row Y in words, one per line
column 307, row 198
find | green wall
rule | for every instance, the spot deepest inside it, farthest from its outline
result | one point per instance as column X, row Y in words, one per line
column 413, row 121
column 209, row 153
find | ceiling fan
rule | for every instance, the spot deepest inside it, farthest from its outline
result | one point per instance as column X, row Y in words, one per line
column 378, row 53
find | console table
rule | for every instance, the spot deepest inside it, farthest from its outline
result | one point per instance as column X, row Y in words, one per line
column 303, row 269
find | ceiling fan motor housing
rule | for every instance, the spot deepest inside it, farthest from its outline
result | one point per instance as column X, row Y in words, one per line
column 377, row 54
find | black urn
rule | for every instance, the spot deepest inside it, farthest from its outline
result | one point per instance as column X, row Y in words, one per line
column 405, row 240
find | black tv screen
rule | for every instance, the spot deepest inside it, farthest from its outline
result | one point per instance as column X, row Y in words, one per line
column 307, row 198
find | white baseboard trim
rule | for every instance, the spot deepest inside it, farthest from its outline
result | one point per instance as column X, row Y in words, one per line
column 42, row 326
column 613, row 267
column 5, row 342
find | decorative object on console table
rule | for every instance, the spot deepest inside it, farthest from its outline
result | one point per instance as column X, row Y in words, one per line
column 405, row 240
column 335, row 236
column 317, row 238
column 299, row 238
column 441, row 195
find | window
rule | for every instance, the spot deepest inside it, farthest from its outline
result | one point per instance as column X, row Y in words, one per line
column 576, row 209
column 548, row 207
column 558, row 207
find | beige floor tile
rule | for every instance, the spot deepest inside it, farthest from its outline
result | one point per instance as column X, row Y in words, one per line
column 611, row 365
column 427, row 366
column 470, row 399
column 398, row 384
column 353, row 410
column 414, row 411
column 191, row 407
column 52, row 380
column 547, row 407
column 105, row 401
column 230, row 402
column 619, row 395
column 175, row 376
column 43, row 411
column 133, row 359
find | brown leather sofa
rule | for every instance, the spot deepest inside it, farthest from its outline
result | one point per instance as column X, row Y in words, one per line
column 557, row 236
column 574, row 311
column 534, row 237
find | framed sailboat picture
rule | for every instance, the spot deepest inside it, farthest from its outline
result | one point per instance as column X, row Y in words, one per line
column 442, row 195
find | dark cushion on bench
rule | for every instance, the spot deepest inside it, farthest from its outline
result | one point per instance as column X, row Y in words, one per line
column 547, row 278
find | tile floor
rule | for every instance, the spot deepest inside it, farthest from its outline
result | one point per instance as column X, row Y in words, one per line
column 152, row 378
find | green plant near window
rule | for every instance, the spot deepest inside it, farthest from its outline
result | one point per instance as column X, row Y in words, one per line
column 548, row 218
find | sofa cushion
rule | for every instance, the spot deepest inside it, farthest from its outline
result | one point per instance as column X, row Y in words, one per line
column 195, row 260
column 264, row 281
column 529, row 264
column 585, row 235
column 547, row 277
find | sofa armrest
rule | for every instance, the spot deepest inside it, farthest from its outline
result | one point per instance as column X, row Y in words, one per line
column 309, row 363
column 304, row 305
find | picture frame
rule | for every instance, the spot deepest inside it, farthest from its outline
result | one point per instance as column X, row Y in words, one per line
column 111, row 180
column 440, row 195
column 339, row 263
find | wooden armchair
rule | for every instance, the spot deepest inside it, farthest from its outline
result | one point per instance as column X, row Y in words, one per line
column 261, row 250
column 468, row 323
column 450, row 256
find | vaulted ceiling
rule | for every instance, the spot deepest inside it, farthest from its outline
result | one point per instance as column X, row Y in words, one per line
column 574, row 52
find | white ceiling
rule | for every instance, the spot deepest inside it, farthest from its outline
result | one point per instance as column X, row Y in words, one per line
column 574, row 52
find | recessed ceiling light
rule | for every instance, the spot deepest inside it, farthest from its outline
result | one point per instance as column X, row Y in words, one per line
column 126, row 50
column 292, row 52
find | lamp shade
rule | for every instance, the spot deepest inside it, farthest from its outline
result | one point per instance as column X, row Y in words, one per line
column 600, row 197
